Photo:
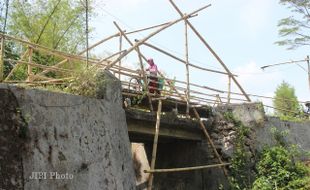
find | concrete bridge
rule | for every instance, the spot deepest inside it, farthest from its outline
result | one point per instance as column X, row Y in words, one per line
column 141, row 127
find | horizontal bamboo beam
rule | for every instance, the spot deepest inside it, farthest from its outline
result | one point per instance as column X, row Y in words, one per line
column 41, row 66
column 45, row 49
column 185, row 169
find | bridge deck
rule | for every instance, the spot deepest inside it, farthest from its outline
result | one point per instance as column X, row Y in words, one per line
column 141, row 127
column 168, row 104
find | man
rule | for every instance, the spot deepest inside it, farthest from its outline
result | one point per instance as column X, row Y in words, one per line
column 153, row 86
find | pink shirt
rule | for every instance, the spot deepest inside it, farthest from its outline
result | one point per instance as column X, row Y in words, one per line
column 153, row 69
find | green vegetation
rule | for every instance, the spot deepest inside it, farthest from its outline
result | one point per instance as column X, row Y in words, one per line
column 86, row 82
column 276, row 167
column 242, row 174
column 286, row 103
column 279, row 166
column 295, row 29
column 57, row 24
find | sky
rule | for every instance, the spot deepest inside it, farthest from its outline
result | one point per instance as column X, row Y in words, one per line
column 241, row 32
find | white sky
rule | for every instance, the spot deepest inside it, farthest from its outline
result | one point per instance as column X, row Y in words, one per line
column 242, row 32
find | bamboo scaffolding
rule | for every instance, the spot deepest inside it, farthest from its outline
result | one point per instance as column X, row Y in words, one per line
column 183, row 61
column 187, row 71
column 2, row 46
column 16, row 66
column 203, row 127
column 82, row 52
column 33, row 64
column 141, row 65
column 212, row 51
column 29, row 67
column 120, row 49
column 177, row 87
column 152, row 27
column 185, row 169
column 150, row 182
column 152, row 34
column 106, row 59
column 46, row 49
column 229, row 89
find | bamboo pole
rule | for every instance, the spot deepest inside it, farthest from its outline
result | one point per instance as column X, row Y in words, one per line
column 41, row 66
column 211, row 50
column 46, row 49
column 308, row 63
column 141, row 64
column 29, row 67
column 150, row 182
column 185, row 169
column 2, row 59
column 229, row 89
column 152, row 34
column 82, row 52
column 183, row 61
column 120, row 49
column 16, row 66
column 187, row 72
column 202, row 126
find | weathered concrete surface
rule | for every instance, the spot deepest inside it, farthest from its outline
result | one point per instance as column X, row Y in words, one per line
column 253, row 116
column 82, row 138
column 141, row 127
column 298, row 133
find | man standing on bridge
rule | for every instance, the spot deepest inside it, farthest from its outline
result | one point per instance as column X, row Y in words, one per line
column 153, row 81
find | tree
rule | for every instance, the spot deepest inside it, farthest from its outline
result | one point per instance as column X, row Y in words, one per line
column 295, row 29
column 285, row 101
column 58, row 24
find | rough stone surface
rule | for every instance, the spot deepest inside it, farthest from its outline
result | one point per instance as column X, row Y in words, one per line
column 253, row 116
column 79, row 137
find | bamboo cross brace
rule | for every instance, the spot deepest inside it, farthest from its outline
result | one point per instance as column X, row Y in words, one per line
column 16, row 66
column 141, row 64
column 154, row 151
column 202, row 126
column 183, row 61
column 152, row 34
column 33, row 64
column 211, row 50
column 185, row 168
column 81, row 53
column 205, row 132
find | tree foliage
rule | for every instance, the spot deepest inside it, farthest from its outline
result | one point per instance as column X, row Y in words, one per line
column 294, row 30
column 285, row 101
column 278, row 169
column 58, row 24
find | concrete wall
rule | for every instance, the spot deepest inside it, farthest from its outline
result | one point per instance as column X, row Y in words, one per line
column 253, row 116
column 179, row 154
column 83, row 140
